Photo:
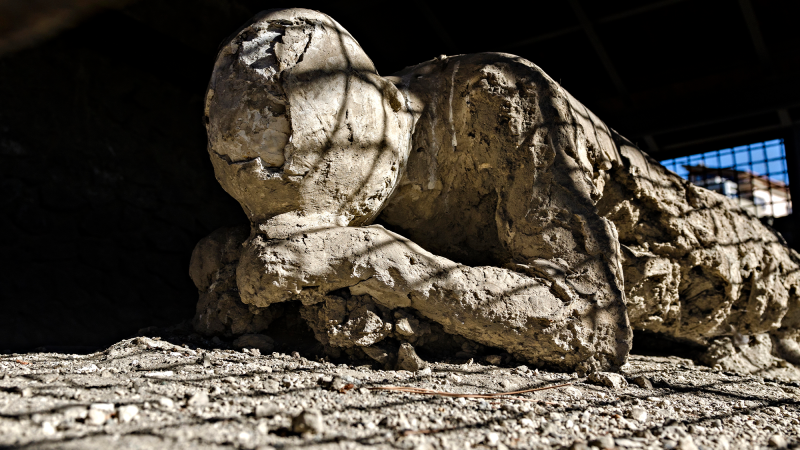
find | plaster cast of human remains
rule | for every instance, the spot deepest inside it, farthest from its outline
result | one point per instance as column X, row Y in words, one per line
column 507, row 198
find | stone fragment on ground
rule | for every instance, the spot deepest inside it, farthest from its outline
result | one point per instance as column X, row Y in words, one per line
column 643, row 382
column 308, row 422
column 407, row 358
column 612, row 380
column 261, row 342
column 604, row 441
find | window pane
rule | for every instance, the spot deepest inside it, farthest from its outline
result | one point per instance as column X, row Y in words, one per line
column 757, row 171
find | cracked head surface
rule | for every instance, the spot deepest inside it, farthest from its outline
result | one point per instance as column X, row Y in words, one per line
column 301, row 128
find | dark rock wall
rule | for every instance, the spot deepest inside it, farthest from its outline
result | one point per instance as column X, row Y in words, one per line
column 105, row 183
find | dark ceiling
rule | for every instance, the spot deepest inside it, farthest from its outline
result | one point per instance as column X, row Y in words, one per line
column 675, row 76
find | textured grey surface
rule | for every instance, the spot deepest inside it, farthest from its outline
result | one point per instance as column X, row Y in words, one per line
column 149, row 393
column 697, row 266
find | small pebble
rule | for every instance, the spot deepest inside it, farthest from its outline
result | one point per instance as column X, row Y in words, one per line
column 494, row 359
column 777, row 441
column 105, row 407
column 126, row 413
column 643, row 382
column 608, row 379
column 198, row 399
column 338, row 383
column 573, row 391
column 75, row 412
column 407, row 358
column 96, row 417
column 267, row 410
column 308, row 422
column 48, row 429
column 604, row 442
column 638, row 414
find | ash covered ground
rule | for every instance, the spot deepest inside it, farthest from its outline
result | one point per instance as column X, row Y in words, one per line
column 188, row 392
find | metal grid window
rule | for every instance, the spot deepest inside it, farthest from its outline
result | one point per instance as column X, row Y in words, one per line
column 755, row 174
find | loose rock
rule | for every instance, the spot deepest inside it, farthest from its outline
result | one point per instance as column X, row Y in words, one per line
column 638, row 414
column 612, row 380
column 260, row 342
column 308, row 422
column 604, row 442
column 643, row 382
column 96, row 417
column 777, row 441
column 126, row 413
column 407, row 358
column 198, row 399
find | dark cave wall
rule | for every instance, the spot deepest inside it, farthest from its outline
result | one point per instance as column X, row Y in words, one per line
column 105, row 184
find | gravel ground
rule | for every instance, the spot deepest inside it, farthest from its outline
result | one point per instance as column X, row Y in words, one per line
column 150, row 393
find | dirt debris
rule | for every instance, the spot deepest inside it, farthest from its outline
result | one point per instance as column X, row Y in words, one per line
column 160, row 394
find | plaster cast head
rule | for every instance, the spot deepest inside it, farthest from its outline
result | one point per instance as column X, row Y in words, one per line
column 301, row 128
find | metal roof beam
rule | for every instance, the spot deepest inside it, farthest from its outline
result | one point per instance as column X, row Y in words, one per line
column 437, row 26
column 604, row 19
column 637, row 11
column 588, row 28
column 741, row 100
